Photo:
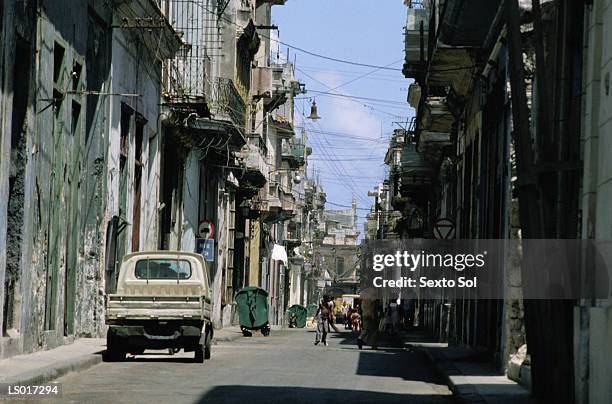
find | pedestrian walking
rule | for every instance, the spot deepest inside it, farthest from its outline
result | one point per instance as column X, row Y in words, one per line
column 371, row 321
column 323, row 315
column 348, row 311
column 332, row 317
column 356, row 320
column 393, row 317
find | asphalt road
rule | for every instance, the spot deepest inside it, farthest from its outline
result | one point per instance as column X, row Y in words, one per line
column 283, row 368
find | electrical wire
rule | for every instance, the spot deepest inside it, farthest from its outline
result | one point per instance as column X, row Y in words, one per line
column 352, row 98
column 299, row 49
column 363, row 76
column 340, row 169
column 355, row 97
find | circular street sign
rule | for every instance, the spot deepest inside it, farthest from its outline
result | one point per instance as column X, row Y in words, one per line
column 444, row 229
column 206, row 229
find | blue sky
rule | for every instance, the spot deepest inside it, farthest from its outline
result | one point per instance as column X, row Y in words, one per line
column 354, row 133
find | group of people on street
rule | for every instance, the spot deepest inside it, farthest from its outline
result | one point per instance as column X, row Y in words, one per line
column 351, row 317
column 370, row 320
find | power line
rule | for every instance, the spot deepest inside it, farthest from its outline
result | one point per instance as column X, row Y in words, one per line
column 333, row 59
column 297, row 48
column 332, row 164
column 363, row 76
column 351, row 98
column 349, row 159
column 346, row 206
column 384, row 77
column 357, row 97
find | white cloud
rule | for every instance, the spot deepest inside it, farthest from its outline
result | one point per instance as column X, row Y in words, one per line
column 345, row 114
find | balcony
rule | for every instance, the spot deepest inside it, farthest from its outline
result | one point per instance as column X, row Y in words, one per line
column 436, row 117
column 186, row 83
column 283, row 127
column 265, row 88
column 227, row 104
column 153, row 25
column 287, row 202
column 463, row 30
column 414, row 95
column 294, row 154
column 294, row 236
column 414, row 170
column 254, row 163
column 273, row 198
column 416, row 40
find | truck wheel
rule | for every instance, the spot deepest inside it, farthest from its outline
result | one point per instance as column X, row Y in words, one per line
column 114, row 351
column 113, row 354
column 208, row 345
column 198, row 356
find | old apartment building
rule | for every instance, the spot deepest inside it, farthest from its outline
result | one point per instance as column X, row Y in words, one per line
column 143, row 125
column 509, row 141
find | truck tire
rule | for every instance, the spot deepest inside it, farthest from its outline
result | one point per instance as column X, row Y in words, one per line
column 208, row 345
column 115, row 356
column 114, row 350
column 114, row 353
column 198, row 356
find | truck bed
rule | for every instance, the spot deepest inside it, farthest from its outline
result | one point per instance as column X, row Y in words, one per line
column 141, row 307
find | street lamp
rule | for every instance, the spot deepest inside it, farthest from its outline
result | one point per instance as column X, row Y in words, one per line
column 313, row 111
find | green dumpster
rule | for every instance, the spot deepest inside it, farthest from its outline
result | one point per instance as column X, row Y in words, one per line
column 252, row 305
column 297, row 316
column 311, row 310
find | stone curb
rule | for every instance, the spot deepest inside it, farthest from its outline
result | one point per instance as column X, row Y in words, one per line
column 464, row 394
column 48, row 373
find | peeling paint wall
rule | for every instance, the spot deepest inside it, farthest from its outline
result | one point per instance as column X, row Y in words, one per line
column 65, row 164
column 593, row 319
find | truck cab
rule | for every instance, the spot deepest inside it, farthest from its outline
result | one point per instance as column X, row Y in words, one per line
column 163, row 301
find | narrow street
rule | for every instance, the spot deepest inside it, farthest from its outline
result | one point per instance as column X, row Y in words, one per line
column 285, row 367
column 175, row 172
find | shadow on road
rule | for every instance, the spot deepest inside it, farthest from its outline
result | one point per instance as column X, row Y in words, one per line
column 285, row 394
column 392, row 358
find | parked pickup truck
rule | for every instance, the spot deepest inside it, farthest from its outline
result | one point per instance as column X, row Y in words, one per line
column 163, row 301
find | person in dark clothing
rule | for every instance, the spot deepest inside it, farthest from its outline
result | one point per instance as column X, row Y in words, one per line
column 323, row 316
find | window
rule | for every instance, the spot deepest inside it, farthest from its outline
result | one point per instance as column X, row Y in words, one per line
column 339, row 266
column 162, row 269
column 138, row 163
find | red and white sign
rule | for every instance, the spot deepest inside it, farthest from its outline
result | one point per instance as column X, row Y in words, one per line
column 206, row 229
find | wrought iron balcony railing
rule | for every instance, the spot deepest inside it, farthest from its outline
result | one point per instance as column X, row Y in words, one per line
column 294, row 150
column 227, row 103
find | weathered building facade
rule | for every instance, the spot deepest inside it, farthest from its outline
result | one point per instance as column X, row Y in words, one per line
column 510, row 106
column 76, row 133
column 143, row 125
column 338, row 252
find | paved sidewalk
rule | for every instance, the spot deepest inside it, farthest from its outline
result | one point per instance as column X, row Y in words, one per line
column 44, row 366
column 470, row 378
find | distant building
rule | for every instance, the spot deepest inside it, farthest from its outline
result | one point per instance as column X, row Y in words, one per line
column 338, row 253
column 340, row 226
